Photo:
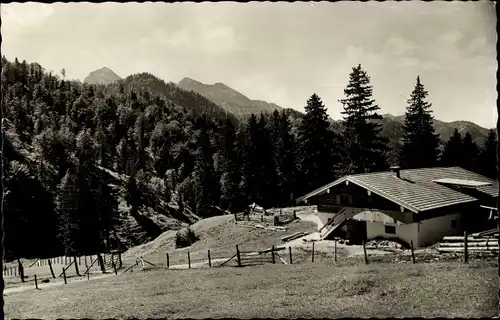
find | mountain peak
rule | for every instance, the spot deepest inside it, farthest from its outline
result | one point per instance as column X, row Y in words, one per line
column 103, row 75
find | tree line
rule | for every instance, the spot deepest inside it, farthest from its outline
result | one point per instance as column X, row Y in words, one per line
column 65, row 142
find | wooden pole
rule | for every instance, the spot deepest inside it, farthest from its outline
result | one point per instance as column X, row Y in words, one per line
column 238, row 257
column 168, row 261
column 290, row 253
column 466, row 258
column 272, row 252
column 335, row 250
column 64, row 275
column 80, row 260
column 114, row 265
column 412, row 253
column 36, row 282
column 51, row 270
column 76, row 267
column 85, row 259
column 21, row 270
column 120, row 259
column 88, row 275
column 189, row 260
column 209, row 260
column 364, row 251
column 312, row 255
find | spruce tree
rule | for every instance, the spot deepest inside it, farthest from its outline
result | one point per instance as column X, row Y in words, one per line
column 205, row 184
column 420, row 142
column 229, row 168
column 317, row 157
column 470, row 153
column 268, row 178
column 487, row 159
column 453, row 151
column 365, row 149
column 249, row 136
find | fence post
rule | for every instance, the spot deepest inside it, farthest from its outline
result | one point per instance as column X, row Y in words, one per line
column 64, row 275
column 335, row 250
column 36, row 282
column 85, row 259
column 312, row 256
column 466, row 258
column 120, row 259
column 364, row 251
column 21, row 270
column 168, row 261
column 272, row 253
column 51, row 270
column 114, row 265
column 189, row 260
column 76, row 267
column 290, row 252
column 238, row 256
column 412, row 253
column 209, row 260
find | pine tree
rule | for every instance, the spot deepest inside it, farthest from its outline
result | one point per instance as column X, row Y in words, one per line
column 420, row 142
column 452, row 152
column 470, row 153
column 365, row 148
column 487, row 159
column 317, row 157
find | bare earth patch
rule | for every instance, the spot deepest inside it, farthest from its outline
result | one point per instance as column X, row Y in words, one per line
column 307, row 290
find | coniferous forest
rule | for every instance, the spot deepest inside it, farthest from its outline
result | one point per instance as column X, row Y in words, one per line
column 76, row 155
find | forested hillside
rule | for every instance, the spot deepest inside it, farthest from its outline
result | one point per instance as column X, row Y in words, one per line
column 94, row 167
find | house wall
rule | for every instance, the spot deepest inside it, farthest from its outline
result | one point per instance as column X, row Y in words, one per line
column 433, row 230
column 405, row 232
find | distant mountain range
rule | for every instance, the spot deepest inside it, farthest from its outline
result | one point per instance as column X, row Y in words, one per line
column 221, row 99
column 228, row 98
column 102, row 76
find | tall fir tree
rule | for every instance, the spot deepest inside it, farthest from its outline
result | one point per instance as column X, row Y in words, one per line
column 317, row 157
column 267, row 175
column 365, row 148
column 205, row 185
column 470, row 153
column 249, row 184
column 420, row 142
column 487, row 160
column 286, row 160
column 452, row 152
column 229, row 168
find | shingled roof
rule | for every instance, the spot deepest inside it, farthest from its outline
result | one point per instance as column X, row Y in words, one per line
column 415, row 189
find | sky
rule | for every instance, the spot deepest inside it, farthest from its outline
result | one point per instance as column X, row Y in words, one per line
column 278, row 52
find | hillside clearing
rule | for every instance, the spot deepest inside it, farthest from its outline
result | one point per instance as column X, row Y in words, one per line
column 288, row 291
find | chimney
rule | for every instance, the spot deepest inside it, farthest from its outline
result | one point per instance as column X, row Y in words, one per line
column 396, row 170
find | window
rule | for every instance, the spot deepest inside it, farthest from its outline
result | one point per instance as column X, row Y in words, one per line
column 453, row 224
column 390, row 229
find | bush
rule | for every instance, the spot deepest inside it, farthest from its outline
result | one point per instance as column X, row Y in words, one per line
column 185, row 237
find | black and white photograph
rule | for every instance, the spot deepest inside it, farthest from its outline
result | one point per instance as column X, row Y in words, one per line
column 249, row 160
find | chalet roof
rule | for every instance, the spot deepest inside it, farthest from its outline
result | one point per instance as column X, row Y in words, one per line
column 416, row 189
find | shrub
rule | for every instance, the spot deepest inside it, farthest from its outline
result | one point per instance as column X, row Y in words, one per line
column 185, row 237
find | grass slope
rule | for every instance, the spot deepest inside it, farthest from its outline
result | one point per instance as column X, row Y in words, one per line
column 287, row 291
column 218, row 234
